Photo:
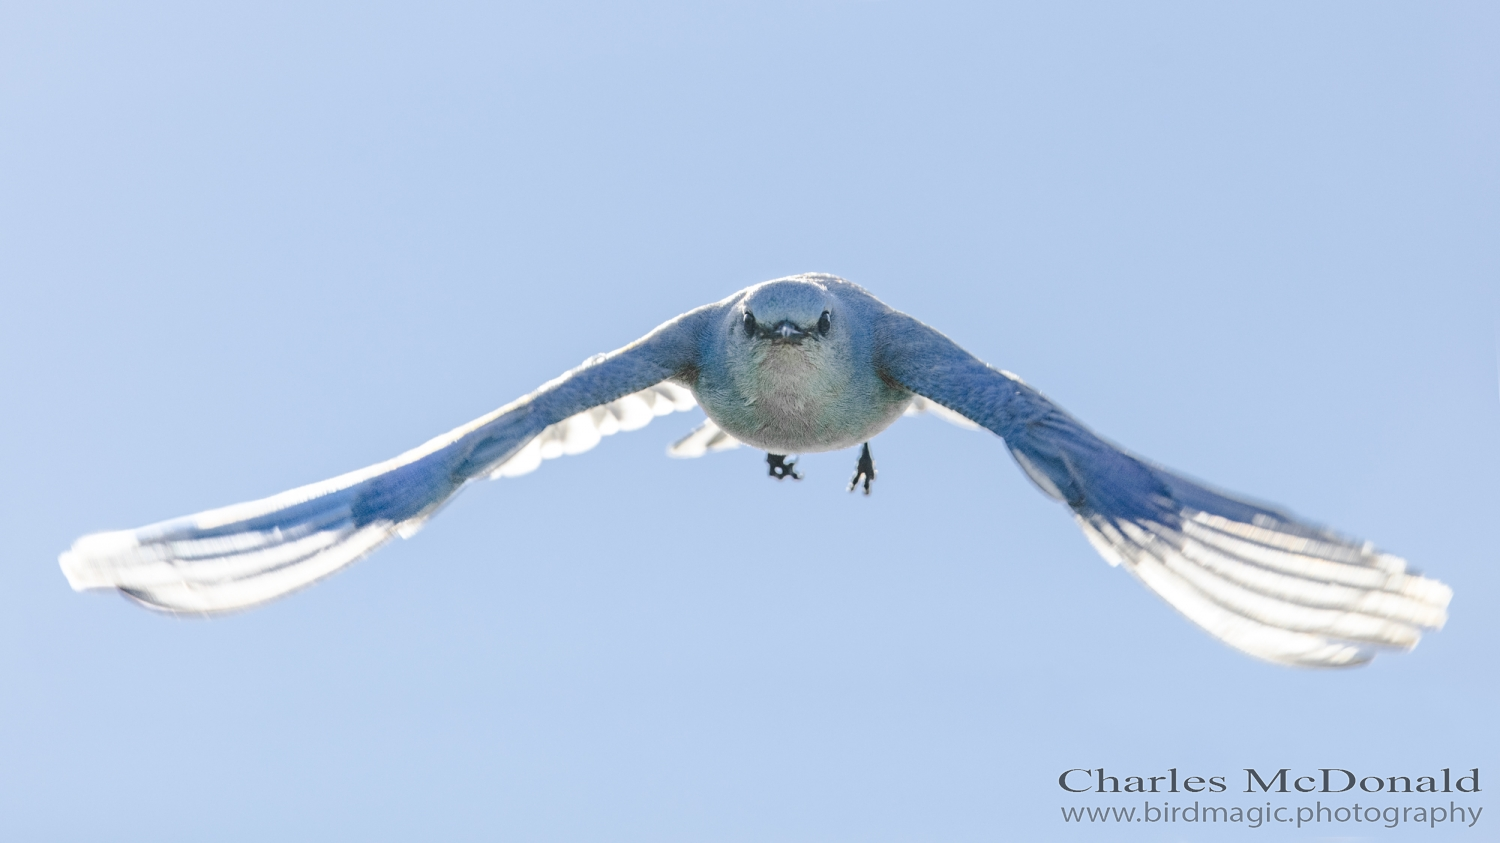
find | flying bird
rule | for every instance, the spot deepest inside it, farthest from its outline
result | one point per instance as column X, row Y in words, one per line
column 798, row 365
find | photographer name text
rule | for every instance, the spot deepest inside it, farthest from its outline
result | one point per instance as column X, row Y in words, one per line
column 1283, row 780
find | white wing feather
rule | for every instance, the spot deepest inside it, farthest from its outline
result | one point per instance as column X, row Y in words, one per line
column 579, row 433
column 704, row 438
column 920, row 405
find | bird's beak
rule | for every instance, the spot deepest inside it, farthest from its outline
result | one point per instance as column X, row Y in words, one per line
column 786, row 331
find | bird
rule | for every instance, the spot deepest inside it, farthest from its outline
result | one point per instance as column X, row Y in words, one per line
column 805, row 364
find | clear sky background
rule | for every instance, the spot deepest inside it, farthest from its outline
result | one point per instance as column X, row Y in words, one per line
column 248, row 247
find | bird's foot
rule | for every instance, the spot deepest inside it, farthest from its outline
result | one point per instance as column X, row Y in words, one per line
column 865, row 470
column 780, row 468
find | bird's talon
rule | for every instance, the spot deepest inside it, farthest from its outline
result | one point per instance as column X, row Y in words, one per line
column 781, row 469
column 865, row 470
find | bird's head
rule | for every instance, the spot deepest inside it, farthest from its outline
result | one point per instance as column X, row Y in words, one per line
column 794, row 311
column 791, row 333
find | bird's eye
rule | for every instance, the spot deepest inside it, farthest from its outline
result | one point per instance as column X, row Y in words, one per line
column 749, row 324
column 824, row 322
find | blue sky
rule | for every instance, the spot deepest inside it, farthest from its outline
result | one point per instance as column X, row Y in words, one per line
column 248, row 247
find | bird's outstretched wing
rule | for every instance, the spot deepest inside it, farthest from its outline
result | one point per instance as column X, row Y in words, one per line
column 1258, row 579
column 242, row 555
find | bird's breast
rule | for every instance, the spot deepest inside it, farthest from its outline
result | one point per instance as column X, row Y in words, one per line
column 787, row 403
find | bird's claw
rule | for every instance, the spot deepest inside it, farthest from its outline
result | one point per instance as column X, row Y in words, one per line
column 780, row 468
column 865, row 470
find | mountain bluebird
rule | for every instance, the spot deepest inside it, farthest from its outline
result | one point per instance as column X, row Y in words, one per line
column 798, row 365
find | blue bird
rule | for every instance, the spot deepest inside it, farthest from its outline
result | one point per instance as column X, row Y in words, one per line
column 798, row 365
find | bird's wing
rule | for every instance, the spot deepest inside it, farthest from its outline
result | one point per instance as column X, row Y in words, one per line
column 582, row 431
column 1256, row 578
column 921, row 406
column 242, row 555
column 704, row 438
